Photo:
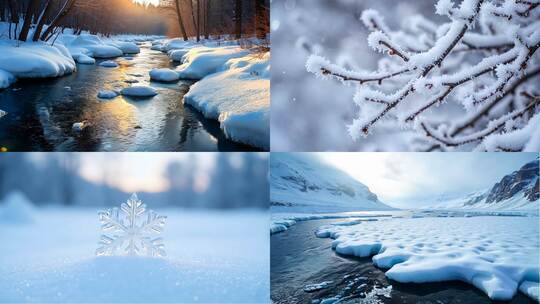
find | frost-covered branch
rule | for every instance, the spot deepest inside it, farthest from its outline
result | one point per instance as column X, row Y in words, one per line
column 476, row 60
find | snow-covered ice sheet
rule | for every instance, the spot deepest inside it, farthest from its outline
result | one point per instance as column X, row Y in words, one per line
column 496, row 254
column 239, row 97
column 212, row 256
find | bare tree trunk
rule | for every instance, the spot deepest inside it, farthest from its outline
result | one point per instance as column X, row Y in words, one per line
column 206, row 15
column 261, row 19
column 68, row 5
column 198, row 20
column 238, row 13
column 32, row 8
column 44, row 15
column 180, row 21
column 192, row 15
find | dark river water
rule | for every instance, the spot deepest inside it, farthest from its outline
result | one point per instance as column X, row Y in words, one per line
column 299, row 258
column 41, row 113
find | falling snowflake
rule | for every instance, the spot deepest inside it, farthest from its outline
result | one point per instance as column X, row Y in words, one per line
column 131, row 234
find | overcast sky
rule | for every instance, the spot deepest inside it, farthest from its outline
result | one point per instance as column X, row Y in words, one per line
column 413, row 179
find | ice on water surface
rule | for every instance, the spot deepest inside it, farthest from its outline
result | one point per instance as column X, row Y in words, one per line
column 132, row 234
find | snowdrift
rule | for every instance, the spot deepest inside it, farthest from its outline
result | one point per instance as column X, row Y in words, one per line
column 201, row 61
column 33, row 60
column 238, row 97
column 130, row 279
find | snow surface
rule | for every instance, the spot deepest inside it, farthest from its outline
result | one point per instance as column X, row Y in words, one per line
column 212, row 257
column 139, row 91
column 238, row 96
column 166, row 75
column 498, row 255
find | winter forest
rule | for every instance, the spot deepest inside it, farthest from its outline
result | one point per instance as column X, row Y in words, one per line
column 429, row 76
column 134, row 75
column 220, row 181
column 185, row 18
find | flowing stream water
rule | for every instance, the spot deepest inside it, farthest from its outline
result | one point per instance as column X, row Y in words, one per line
column 41, row 112
column 299, row 258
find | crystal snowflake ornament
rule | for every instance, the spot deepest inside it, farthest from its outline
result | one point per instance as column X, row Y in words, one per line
column 131, row 233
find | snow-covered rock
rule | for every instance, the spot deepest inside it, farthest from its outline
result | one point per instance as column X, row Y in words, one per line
column 78, row 126
column 495, row 254
column 107, row 94
column 139, row 91
column 109, row 64
column 518, row 190
column 16, row 208
column 305, row 182
column 6, row 79
column 34, row 60
column 84, row 59
column 239, row 97
column 201, row 61
column 166, row 75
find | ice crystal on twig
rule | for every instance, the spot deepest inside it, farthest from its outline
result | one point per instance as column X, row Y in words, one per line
column 132, row 234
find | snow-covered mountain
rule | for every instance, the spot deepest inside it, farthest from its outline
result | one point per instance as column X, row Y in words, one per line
column 516, row 191
column 301, row 181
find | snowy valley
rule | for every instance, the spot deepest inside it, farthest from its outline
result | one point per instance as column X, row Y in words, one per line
column 488, row 239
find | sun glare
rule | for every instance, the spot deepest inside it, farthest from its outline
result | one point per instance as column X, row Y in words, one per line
column 147, row 2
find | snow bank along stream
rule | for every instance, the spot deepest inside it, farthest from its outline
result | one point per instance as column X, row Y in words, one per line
column 102, row 107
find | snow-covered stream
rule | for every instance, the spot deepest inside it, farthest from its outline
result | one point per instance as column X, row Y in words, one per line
column 42, row 113
column 301, row 257
column 212, row 256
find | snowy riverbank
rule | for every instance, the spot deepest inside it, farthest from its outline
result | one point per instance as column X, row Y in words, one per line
column 57, row 58
column 233, row 86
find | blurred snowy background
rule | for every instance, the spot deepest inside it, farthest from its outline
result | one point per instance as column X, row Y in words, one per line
column 310, row 114
column 189, row 180
column 216, row 232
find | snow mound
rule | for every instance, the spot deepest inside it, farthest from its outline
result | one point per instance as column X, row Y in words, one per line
column 84, row 59
column 2, row 113
column 176, row 43
column 177, row 55
column 78, row 126
column 6, row 79
column 34, row 60
column 238, row 96
column 109, row 64
column 201, row 61
column 131, row 279
column 495, row 254
column 165, row 75
column 126, row 47
column 107, row 94
column 16, row 208
column 139, row 91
